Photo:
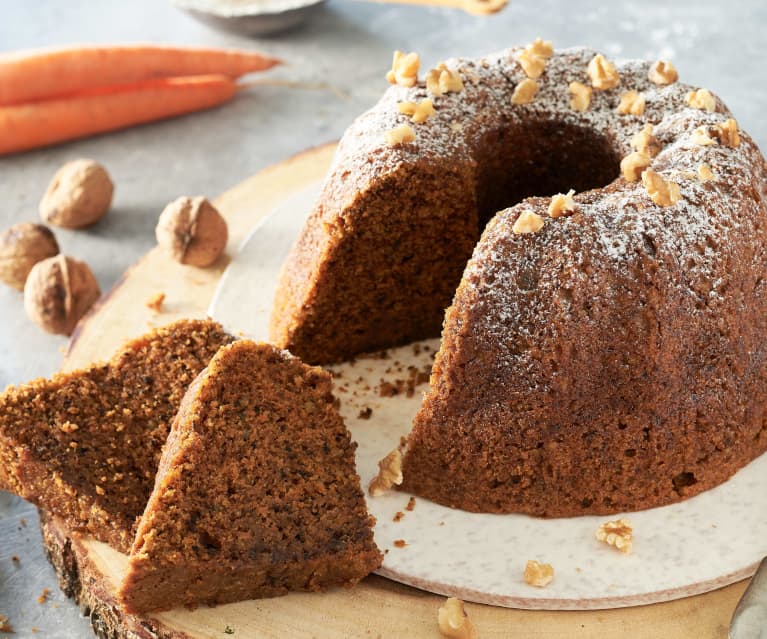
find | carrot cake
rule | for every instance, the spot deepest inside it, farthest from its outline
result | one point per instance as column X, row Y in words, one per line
column 256, row 492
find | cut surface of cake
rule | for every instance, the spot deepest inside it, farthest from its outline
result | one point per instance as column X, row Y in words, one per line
column 604, row 349
column 85, row 445
column 256, row 493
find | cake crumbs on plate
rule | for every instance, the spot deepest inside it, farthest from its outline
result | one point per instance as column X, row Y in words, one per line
column 23, row 522
column 15, row 559
column 400, row 543
column 365, row 413
column 43, row 598
column 410, row 504
column 5, row 625
column 398, row 516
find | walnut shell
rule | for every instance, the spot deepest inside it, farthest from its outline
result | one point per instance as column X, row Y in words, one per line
column 21, row 247
column 79, row 195
column 192, row 231
column 58, row 292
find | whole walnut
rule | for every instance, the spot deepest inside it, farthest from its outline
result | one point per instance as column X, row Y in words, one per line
column 21, row 247
column 79, row 195
column 192, row 231
column 58, row 292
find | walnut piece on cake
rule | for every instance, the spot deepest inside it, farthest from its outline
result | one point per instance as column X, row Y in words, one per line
column 404, row 69
column 602, row 73
column 441, row 80
column 537, row 574
column 580, row 96
column 705, row 173
column 389, row 474
column 562, row 204
column 662, row 192
column 454, row 622
column 646, row 142
column 527, row 222
column 534, row 56
column 633, row 165
column 701, row 137
column 400, row 135
column 618, row 533
column 524, row 92
column 631, row 103
column 727, row 133
column 702, row 99
column 662, row 72
column 419, row 112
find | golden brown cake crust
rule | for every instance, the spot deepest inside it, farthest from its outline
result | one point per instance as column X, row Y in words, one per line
column 85, row 445
column 256, row 493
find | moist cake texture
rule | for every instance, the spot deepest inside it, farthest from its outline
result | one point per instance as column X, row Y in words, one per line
column 256, row 493
column 85, row 445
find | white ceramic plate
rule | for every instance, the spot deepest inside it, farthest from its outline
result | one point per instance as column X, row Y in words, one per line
column 684, row 549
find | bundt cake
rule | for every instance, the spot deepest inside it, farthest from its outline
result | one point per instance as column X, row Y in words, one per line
column 605, row 349
column 256, row 493
column 85, row 445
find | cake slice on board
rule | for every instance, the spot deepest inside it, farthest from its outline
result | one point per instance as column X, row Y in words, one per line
column 85, row 445
column 256, row 493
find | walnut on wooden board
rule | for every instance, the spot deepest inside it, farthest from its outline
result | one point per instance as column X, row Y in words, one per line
column 454, row 622
column 192, row 231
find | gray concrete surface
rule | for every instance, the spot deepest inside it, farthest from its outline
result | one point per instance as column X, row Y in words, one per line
column 348, row 46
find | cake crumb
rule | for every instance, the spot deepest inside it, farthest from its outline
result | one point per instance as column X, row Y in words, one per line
column 23, row 522
column 5, row 625
column 538, row 574
column 44, row 596
column 365, row 413
column 410, row 504
column 155, row 302
column 454, row 622
column 400, row 543
column 15, row 559
column 398, row 516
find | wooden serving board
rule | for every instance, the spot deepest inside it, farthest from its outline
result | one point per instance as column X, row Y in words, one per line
column 89, row 570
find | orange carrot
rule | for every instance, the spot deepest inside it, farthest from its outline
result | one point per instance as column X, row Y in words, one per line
column 34, row 75
column 28, row 126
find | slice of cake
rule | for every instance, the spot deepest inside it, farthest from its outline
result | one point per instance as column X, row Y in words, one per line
column 256, row 493
column 85, row 445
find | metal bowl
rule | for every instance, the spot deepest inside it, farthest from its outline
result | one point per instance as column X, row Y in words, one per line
column 251, row 18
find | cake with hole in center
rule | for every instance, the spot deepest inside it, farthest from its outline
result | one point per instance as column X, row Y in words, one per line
column 597, row 234
column 256, row 493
